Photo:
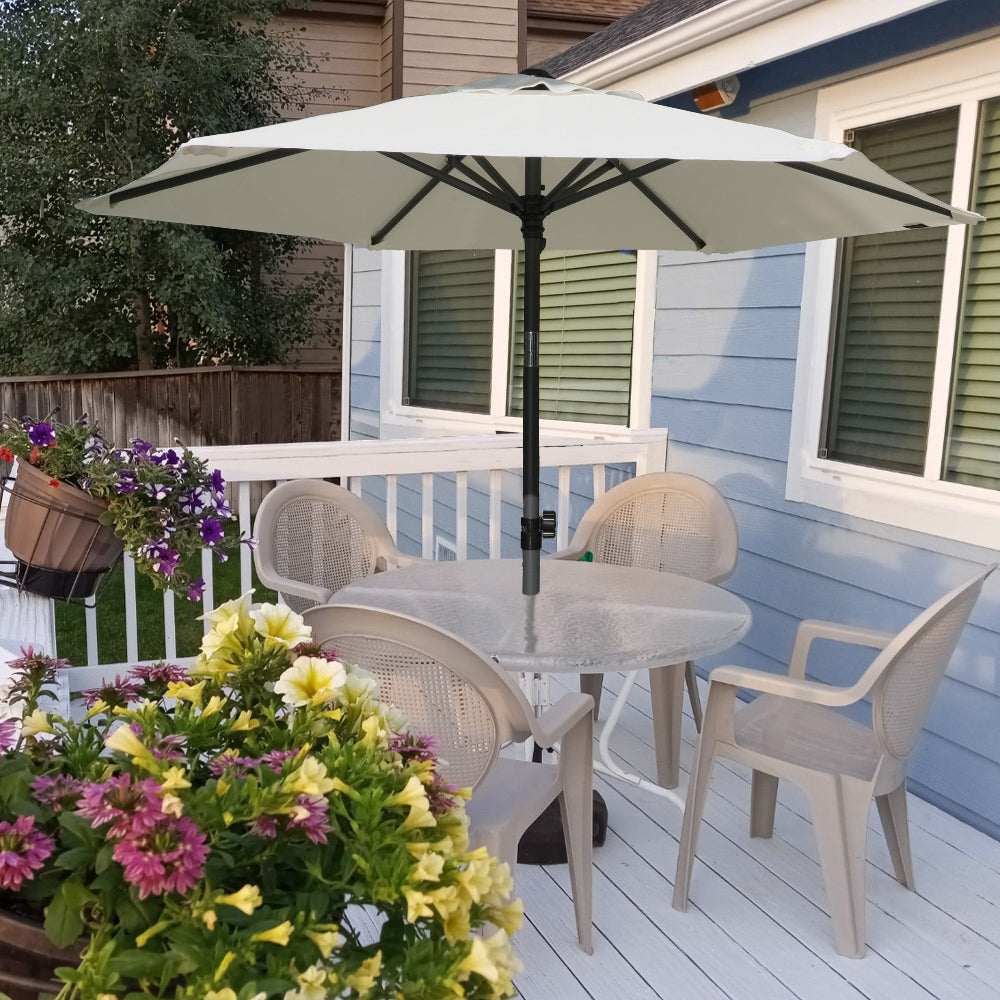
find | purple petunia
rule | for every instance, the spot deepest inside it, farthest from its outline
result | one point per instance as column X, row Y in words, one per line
column 158, row 491
column 193, row 501
column 196, row 589
column 41, row 434
column 211, row 530
column 126, row 482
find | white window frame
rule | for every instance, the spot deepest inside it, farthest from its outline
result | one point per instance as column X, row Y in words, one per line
column 928, row 504
column 399, row 420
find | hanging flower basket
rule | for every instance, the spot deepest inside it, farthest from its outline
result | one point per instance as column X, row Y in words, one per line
column 28, row 959
column 54, row 531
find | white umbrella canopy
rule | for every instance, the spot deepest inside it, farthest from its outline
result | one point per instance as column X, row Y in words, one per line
column 523, row 161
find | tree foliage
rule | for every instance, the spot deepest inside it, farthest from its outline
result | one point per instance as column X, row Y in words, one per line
column 94, row 93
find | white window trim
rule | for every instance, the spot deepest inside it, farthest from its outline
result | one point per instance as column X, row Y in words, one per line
column 418, row 421
column 930, row 505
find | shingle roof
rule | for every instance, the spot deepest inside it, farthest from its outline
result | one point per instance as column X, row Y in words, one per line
column 655, row 16
column 584, row 10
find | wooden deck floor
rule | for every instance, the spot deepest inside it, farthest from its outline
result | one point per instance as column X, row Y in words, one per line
column 757, row 927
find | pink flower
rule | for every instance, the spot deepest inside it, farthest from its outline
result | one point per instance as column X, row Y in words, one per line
column 8, row 733
column 159, row 673
column 23, row 850
column 169, row 857
column 265, row 826
column 130, row 808
column 312, row 817
column 60, row 792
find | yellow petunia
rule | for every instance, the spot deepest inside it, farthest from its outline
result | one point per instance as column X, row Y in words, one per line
column 453, row 908
column 173, row 779
column 275, row 935
column 281, row 624
column 183, row 691
column 171, row 805
column 479, row 961
column 310, row 778
column 37, row 722
column 363, row 978
column 125, row 740
column 428, row 868
column 311, row 680
column 226, row 993
column 209, row 918
column 508, row 918
column 312, row 985
column 238, row 608
column 418, row 904
column 246, row 899
column 326, row 937
column 215, row 704
column 243, row 722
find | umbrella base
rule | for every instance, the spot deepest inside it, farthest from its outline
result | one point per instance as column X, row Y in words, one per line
column 543, row 842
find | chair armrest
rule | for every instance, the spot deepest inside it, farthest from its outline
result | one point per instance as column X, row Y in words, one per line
column 569, row 554
column 318, row 595
column 813, row 628
column 401, row 561
column 785, row 687
column 562, row 716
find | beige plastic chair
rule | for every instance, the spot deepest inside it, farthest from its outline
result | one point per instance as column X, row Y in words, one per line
column 452, row 692
column 674, row 523
column 791, row 731
column 314, row 537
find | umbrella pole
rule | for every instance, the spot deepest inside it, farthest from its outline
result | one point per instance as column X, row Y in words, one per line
column 533, row 229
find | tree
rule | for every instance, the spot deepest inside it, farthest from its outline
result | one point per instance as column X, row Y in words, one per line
column 94, row 93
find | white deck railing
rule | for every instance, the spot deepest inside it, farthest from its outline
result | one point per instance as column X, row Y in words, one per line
column 377, row 466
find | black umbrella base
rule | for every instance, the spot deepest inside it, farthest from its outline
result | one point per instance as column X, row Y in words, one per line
column 543, row 842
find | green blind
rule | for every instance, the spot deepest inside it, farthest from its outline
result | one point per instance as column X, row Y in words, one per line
column 587, row 307
column 451, row 329
column 890, row 302
column 973, row 448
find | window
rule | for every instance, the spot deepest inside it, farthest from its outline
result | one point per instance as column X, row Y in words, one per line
column 464, row 334
column 897, row 409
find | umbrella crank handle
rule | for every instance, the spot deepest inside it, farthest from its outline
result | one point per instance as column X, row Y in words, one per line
column 534, row 529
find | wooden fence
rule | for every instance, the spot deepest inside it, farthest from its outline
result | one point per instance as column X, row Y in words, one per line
column 226, row 405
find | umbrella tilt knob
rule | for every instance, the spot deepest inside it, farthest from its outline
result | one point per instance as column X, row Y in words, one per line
column 534, row 529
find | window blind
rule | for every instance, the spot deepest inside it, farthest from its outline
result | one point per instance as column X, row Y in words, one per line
column 886, row 329
column 451, row 329
column 587, row 306
column 973, row 447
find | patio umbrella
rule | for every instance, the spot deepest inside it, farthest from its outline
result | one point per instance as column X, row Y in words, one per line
column 524, row 162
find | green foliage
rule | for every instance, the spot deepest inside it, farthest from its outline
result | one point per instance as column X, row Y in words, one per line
column 94, row 93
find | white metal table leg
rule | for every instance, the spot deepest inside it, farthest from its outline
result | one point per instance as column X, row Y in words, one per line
column 605, row 765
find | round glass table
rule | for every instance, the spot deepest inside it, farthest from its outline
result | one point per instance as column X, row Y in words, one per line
column 587, row 618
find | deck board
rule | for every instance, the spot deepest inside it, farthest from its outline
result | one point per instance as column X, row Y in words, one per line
column 757, row 925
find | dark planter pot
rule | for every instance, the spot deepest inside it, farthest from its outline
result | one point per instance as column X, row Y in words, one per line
column 55, row 533
column 28, row 959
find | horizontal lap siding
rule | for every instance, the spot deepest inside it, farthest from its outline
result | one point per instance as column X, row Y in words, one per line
column 723, row 376
column 448, row 44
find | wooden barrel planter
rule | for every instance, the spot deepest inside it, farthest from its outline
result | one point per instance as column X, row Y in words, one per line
column 28, row 959
column 53, row 530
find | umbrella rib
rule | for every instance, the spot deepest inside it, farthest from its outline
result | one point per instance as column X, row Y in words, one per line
column 498, row 177
column 438, row 174
column 450, row 163
column 569, row 185
column 582, row 194
column 663, row 207
column 870, row 186
column 498, row 190
column 571, row 176
column 217, row 169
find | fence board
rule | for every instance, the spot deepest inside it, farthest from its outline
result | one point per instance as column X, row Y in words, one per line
column 225, row 405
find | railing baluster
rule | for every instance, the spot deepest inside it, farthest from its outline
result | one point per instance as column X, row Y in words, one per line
column 391, row 502
column 169, row 625
column 427, row 515
column 562, row 515
column 93, row 656
column 599, row 478
column 461, row 515
column 246, row 556
column 131, row 621
column 208, row 594
column 496, row 498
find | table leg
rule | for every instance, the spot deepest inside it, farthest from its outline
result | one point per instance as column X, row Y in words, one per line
column 605, row 765
column 666, row 692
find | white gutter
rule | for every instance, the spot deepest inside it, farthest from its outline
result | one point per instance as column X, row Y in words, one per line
column 733, row 36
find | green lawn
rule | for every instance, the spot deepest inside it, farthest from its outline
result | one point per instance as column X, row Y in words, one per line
column 71, row 633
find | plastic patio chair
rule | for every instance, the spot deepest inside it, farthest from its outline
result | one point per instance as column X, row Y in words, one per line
column 472, row 707
column 314, row 537
column 674, row 523
column 792, row 731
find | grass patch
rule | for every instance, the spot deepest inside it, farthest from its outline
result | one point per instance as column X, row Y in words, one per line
column 71, row 627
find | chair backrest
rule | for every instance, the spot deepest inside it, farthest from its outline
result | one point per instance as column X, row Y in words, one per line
column 445, row 688
column 318, row 533
column 667, row 521
column 912, row 665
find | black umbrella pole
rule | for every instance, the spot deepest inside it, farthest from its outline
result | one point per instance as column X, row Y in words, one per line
column 532, row 226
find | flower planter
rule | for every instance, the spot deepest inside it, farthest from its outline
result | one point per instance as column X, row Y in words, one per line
column 28, row 959
column 55, row 533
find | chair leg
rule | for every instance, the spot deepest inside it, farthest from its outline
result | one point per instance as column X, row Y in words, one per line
column 593, row 684
column 576, row 806
column 718, row 712
column 892, row 813
column 694, row 695
column 840, row 819
column 763, row 799
column 666, row 691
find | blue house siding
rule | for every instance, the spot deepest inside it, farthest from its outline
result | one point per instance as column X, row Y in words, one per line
column 366, row 337
column 723, row 377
